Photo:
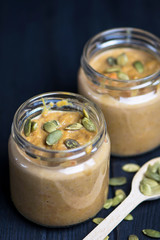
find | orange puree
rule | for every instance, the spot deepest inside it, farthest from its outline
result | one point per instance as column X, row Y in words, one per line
column 65, row 118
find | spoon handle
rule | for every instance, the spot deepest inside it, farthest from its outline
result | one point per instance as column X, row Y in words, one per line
column 115, row 217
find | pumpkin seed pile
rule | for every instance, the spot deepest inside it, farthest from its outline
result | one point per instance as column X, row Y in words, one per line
column 150, row 184
column 116, row 65
column 55, row 133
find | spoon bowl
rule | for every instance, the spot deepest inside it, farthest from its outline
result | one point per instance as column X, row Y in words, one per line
column 134, row 199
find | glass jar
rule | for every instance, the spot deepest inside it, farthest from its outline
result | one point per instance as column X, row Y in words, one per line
column 130, row 107
column 58, row 188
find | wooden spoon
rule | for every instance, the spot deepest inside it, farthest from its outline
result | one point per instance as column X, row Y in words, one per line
column 134, row 199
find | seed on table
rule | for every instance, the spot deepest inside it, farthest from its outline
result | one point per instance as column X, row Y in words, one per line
column 133, row 237
column 151, row 233
column 130, row 167
column 117, row 181
column 97, row 220
column 129, row 217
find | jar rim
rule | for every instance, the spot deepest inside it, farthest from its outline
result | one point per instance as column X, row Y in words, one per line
column 128, row 30
column 16, row 133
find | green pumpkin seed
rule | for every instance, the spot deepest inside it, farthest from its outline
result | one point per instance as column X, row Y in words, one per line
column 34, row 126
column 138, row 66
column 27, row 127
column 155, row 190
column 113, row 69
column 151, row 233
column 50, row 126
column 152, row 175
column 74, row 126
column 117, row 200
column 150, row 182
column 53, row 137
column 71, row 143
column 106, row 238
column 120, row 192
column 129, row 217
column 122, row 76
column 131, row 167
column 97, row 220
column 88, row 124
column 122, row 59
column 108, row 203
column 133, row 237
column 111, row 61
column 154, row 168
column 117, row 181
column 85, row 113
column 145, row 189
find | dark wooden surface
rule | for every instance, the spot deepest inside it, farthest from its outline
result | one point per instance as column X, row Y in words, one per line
column 13, row 226
column 40, row 47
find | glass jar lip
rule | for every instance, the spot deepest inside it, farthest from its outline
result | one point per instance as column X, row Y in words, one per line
column 74, row 150
column 113, row 30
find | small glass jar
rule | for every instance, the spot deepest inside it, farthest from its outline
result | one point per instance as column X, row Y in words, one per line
column 130, row 107
column 58, row 188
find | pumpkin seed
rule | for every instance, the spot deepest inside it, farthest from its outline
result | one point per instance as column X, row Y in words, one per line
column 50, row 126
column 122, row 59
column 97, row 220
column 145, row 189
column 151, row 233
column 122, row 76
column 27, row 127
column 88, row 124
column 154, row 167
column 111, row 61
column 117, row 181
column 120, row 192
column 150, row 182
column 129, row 217
column 34, row 126
column 152, row 175
column 117, row 200
column 106, row 238
column 71, row 143
column 53, row 137
column 133, row 237
column 113, row 69
column 138, row 66
column 85, row 113
column 108, row 203
column 131, row 167
column 74, row 126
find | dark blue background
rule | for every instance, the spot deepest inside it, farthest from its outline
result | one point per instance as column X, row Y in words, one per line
column 40, row 48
